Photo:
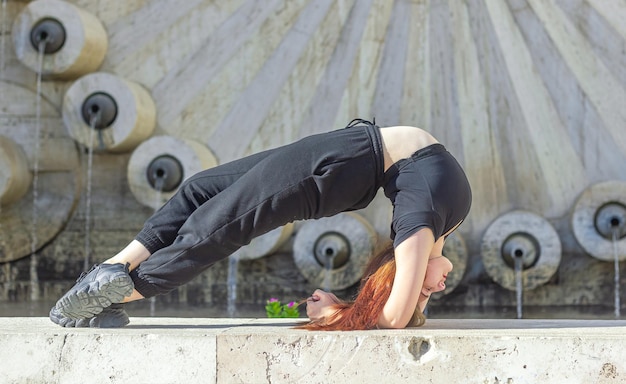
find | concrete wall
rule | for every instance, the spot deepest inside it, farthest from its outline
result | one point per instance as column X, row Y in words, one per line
column 164, row 350
column 527, row 94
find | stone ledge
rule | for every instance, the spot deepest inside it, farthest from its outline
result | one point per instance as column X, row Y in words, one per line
column 203, row 350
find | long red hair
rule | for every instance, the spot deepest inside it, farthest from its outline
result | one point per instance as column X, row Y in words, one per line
column 374, row 291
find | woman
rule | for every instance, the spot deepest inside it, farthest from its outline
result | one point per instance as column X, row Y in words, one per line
column 217, row 211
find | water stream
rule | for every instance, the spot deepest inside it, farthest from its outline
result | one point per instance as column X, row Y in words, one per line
column 34, row 278
column 8, row 270
column 519, row 267
column 616, row 277
column 231, row 300
column 158, row 187
column 88, row 186
column 7, row 266
column 328, row 268
column 3, row 33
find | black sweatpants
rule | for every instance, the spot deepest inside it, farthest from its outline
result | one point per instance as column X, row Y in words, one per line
column 221, row 209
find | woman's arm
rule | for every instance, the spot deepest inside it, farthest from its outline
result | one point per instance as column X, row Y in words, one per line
column 411, row 260
column 437, row 250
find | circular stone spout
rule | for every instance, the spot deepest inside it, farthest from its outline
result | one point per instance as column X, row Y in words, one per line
column 610, row 219
column 521, row 236
column 75, row 41
column 599, row 215
column 346, row 238
column 49, row 31
column 122, row 111
column 165, row 173
column 165, row 160
column 99, row 109
column 521, row 245
column 332, row 250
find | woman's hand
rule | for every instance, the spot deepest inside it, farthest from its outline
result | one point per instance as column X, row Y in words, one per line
column 320, row 304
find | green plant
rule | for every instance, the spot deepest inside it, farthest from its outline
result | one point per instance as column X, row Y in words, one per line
column 274, row 308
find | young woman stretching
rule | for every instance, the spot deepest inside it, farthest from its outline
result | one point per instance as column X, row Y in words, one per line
column 219, row 210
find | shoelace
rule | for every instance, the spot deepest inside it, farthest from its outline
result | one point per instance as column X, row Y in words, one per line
column 361, row 121
column 82, row 275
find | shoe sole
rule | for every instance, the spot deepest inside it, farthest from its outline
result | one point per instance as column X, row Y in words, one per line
column 95, row 297
column 105, row 319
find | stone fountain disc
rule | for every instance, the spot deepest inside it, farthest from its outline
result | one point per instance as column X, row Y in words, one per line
column 135, row 119
column 15, row 177
column 59, row 179
column 265, row 244
column 516, row 222
column 361, row 238
column 583, row 220
column 456, row 251
column 192, row 156
column 58, row 192
column 85, row 45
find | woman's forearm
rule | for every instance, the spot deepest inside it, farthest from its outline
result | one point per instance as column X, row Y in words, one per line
column 411, row 257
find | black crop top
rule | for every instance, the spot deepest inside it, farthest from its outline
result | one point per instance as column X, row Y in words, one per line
column 428, row 189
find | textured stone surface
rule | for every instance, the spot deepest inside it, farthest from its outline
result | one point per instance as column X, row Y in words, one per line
column 168, row 350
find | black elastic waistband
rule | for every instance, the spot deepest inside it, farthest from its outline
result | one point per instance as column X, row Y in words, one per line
column 429, row 150
column 377, row 146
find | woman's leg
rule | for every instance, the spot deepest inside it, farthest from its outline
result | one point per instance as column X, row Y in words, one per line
column 134, row 254
column 264, row 198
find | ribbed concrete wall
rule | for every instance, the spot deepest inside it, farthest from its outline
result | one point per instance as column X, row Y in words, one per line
column 528, row 94
column 164, row 351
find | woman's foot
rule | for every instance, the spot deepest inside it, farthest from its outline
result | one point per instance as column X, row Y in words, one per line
column 111, row 317
column 96, row 290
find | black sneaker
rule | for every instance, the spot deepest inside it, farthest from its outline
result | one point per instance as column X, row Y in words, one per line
column 95, row 290
column 111, row 317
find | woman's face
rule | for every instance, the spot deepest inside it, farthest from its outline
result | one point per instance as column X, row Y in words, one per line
column 436, row 274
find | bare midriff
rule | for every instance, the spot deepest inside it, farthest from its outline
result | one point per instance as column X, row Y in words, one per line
column 400, row 142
